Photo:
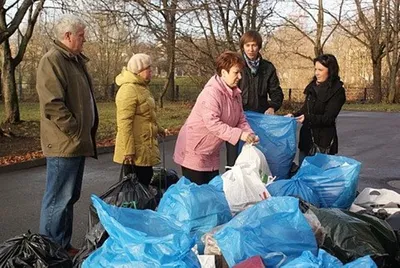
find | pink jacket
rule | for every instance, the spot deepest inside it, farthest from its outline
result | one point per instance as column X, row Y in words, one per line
column 216, row 117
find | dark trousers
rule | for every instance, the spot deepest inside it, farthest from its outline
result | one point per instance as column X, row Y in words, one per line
column 144, row 174
column 199, row 177
column 232, row 152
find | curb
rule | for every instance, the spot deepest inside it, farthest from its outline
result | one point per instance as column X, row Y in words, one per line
column 42, row 161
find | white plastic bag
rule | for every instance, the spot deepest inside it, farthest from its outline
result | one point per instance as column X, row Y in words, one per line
column 252, row 156
column 376, row 199
column 207, row 261
column 370, row 197
column 243, row 187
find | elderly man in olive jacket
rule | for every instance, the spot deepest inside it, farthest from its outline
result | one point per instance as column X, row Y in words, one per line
column 68, row 126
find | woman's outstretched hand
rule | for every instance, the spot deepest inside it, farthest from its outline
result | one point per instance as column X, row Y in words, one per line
column 300, row 119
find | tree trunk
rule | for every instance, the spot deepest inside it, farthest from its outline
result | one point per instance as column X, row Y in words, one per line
column 377, row 77
column 9, row 86
column 397, row 93
column 171, row 76
column 170, row 25
column 167, row 85
column 393, row 55
column 392, row 84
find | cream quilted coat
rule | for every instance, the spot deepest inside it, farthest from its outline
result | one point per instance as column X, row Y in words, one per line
column 137, row 127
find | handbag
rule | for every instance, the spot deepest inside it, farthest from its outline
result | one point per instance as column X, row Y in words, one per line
column 315, row 148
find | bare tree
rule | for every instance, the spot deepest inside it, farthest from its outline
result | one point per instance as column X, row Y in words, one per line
column 216, row 25
column 8, row 29
column 108, row 44
column 10, row 62
column 320, row 31
column 366, row 28
column 161, row 22
column 158, row 18
column 392, row 28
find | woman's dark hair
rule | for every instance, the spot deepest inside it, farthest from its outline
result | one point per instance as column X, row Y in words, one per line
column 250, row 36
column 227, row 60
column 329, row 61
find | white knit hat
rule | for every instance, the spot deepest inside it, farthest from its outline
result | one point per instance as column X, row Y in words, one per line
column 138, row 62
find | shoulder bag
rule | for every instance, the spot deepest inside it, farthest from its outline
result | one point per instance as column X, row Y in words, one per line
column 315, row 148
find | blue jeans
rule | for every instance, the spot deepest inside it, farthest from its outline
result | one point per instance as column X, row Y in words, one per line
column 63, row 189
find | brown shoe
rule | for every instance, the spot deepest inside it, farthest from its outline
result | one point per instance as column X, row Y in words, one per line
column 72, row 252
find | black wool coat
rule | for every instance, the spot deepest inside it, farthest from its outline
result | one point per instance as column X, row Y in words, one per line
column 256, row 88
column 321, row 108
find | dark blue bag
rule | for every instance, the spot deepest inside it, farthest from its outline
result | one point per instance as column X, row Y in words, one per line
column 277, row 140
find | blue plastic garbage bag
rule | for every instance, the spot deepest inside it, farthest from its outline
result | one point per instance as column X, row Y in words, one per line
column 333, row 178
column 199, row 207
column 364, row 262
column 326, row 260
column 294, row 187
column 217, row 183
column 274, row 229
column 309, row 260
column 141, row 238
column 277, row 140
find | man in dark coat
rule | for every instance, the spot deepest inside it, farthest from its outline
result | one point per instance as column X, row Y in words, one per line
column 259, row 82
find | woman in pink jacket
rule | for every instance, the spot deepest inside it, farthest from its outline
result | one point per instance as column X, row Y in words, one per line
column 216, row 117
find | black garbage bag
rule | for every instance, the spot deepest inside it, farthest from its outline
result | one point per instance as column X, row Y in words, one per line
column 162, row 180
column 394, row 222
column 33, row 250
column 349, row 235
column 126, row 193
column 380, row 213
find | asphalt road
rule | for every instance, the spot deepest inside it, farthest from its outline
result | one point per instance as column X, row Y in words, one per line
column 371, row 138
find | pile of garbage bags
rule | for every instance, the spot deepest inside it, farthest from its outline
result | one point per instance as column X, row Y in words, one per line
column 253, row 215
column 305, row 222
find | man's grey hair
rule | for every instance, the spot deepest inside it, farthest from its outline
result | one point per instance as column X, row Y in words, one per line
column 68, row 23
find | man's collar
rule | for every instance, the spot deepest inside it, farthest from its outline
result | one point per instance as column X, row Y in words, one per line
column 67, row 52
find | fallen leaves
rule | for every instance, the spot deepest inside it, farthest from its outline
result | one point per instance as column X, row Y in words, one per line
column 20, row 155
column 14, row 159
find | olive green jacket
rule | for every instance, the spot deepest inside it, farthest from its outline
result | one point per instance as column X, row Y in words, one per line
column 68, row 112
column 137, row 127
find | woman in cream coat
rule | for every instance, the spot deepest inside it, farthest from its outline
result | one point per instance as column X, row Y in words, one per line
column 136, row 145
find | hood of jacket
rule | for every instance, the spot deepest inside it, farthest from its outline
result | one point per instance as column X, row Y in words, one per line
column 324, row 91
column 126, row 77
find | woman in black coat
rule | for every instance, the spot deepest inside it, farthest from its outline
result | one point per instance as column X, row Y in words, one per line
column 325, row 97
